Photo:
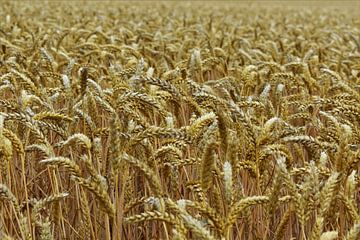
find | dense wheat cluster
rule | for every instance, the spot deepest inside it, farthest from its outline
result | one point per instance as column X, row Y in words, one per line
column 179, row 121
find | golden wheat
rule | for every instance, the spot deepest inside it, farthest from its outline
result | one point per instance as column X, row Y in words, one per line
column 179, row 120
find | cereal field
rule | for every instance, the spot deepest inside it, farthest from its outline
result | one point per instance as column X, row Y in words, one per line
column 163, row 120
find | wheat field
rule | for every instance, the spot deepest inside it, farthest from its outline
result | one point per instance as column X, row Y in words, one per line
column 158, row 120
